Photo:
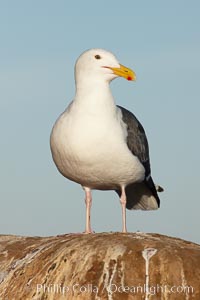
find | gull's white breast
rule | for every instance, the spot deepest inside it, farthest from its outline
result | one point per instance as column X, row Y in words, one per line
column 91, row 149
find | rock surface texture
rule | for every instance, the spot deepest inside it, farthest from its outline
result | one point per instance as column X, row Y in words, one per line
column 99, row 266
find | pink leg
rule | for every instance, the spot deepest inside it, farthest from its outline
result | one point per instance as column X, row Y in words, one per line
column 88, row 203
column 123, row 204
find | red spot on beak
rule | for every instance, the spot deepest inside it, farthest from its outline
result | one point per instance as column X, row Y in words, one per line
column 129, row 78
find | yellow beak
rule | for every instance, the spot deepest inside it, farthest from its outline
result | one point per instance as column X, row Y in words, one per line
column 124, row 72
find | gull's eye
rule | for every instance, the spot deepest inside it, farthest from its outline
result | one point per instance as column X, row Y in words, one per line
column 97, row 56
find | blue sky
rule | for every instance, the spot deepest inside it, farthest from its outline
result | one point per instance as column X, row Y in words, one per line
column 40, row 42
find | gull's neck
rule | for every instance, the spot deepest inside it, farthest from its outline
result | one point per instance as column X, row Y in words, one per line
column 94, row 95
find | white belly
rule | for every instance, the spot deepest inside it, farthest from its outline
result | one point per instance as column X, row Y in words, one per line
column 93, row 152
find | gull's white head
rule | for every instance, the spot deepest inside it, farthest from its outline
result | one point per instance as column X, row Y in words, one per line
column 100, row 65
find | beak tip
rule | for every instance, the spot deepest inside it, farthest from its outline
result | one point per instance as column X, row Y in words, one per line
column 131, row 78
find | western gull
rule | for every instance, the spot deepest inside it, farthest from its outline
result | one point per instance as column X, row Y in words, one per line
column 100, row 145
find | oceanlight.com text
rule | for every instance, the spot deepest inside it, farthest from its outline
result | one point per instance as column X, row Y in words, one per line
column 114, row 288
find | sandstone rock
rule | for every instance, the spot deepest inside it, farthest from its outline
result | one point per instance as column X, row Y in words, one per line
column 99, row 266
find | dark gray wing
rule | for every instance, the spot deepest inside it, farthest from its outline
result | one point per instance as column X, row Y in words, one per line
column 136, row 139
column 138, row 145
